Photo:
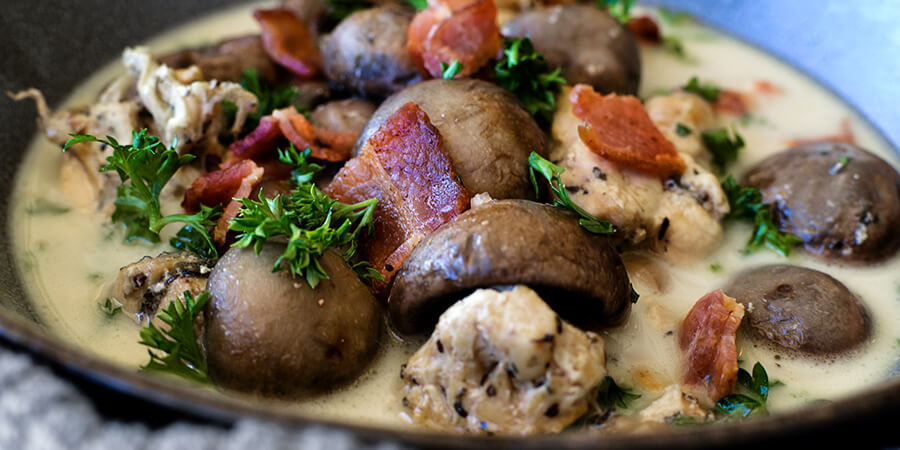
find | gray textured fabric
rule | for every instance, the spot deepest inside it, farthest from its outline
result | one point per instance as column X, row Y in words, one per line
column 40, row 411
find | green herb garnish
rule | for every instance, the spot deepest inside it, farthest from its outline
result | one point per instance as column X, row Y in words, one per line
column 110, row 307
column 452, row 70
column 839, row 166
column 683, row 130
column 309, row 220
column 723, row 146
column 303, row 171
column 177, row 351
column 526, row 73
column 46, row 207
column 746, row 203
column 709, row 92
column 551, row 172
column 672, row 17
column 620, row 9
column 715, row 267
column 418, row 5
column 269, row 98
column 145, row 166
column 753, row 401
column 341, row 9
column 611, row 395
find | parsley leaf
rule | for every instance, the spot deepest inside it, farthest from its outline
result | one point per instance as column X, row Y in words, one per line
column 524, row 72
column 145, row 166
column 341, row 9
column 551, row 172
column 746, row 203
column 177, row 350
column 611, row 395
column 620, row 9
column 723, row 147
column 268, row 98
column 452, row 70
column 683, row 130
column 709, row 92
column 756, row 387
column 110, row 307
column 311, row 222
column 419, row 5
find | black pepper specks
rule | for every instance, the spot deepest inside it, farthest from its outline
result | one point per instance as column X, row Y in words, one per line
column 552, row 411
column 559, row 325
column 458, row 406
column 491, row 391
column 440, row 346
column 547, row 338
column 662, row 229
column 598, row 173
column 512, row 370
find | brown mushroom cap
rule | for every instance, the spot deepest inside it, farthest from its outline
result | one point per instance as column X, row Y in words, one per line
column 508, row 242
column 486, row 131
column 843, row 201
column 589, row 45
column 271, row 334
column 800, row 309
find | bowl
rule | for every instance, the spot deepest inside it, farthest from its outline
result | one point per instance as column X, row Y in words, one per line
column 57, row 45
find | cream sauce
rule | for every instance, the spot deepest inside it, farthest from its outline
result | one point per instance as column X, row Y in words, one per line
column 67, row 258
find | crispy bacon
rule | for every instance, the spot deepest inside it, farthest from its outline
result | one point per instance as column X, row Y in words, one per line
column 405, row 167
column 731, row 102
column 329, row 145
column 259, row 141
column 766, row 87
column 246, row 186
column 289, row 42
column 707, row 340
column 219, row 186
column 845, row 136
column 454, row 30
column 619, row 129
column 645, row 29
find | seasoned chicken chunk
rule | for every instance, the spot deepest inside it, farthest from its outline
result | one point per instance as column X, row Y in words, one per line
column 677, row 217
column 503, row 362
column 688, row 110
column 146, row 286
column 672, row 405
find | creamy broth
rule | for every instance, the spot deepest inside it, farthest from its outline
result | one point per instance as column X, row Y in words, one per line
column 68, row 258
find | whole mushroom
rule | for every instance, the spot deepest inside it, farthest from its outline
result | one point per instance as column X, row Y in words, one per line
column 508, row 242
column 271, row 334
column 486, row 132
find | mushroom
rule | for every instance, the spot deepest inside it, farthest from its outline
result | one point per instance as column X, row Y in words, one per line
column 800, row 309
column 348, row 115
column 579, row 274
column 843, row 201
column 271, row 334
column 588, row 44
column 486, row 132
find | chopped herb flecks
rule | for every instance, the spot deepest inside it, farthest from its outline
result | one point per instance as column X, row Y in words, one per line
column 746, row 204
column 551, row 172
column 448, row 72
column 709, row 92
column 524, row 72
column 723, row 146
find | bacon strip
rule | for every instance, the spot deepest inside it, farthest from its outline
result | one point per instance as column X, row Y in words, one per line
column 731, row 102
column 405, row 167
column 845, row 136
column 645, row 29
column 259, row 141
column 707, row 339
column 219, row 186
column 329, row 145
column 454, row 30
column 248, row 183
column 767, row 87
column 619, row 129
column 289, row 42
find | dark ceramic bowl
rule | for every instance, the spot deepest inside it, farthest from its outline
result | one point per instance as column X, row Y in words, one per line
column 52, row 44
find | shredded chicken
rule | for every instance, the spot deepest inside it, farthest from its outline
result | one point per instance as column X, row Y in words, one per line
column 503, row 362
column 186, row 111
column 678, row 218
column 672, row 406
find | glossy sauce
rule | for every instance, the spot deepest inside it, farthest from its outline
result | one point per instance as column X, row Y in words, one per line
column 67, row 258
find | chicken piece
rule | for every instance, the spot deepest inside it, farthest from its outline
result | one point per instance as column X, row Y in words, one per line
column 80, row 178
column 677, row 217
column 673, row 405
column 689, row 110
column 186, row 112
column 503, row 362
column 146, row 286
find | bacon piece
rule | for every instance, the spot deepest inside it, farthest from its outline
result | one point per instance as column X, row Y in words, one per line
column 707, row 339
column 248, row 183
column 845, row 136
column 767, row 87
column 289, row 42
column 219, row 186
column 731, row 102
column 259, row 142
column 329, row 145
column 619, row 129
column 405, row 167
column 454, row 30
column 645, row 29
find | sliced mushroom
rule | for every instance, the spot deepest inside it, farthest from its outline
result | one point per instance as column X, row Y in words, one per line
column 271, row 334
column 843, row 201
column 800, row 309
column 146, row 286
column 588, row 44
column 486, row 132
column 227, row 60
column 513, row 242
column 348, row 115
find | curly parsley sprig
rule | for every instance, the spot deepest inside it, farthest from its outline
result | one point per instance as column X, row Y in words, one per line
column 620, row 9
column 524, row 72
column 746, row 203
column 177, row 351
column 756, row 393
column 310, row 222
column 145, row 166
column 551, row 172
